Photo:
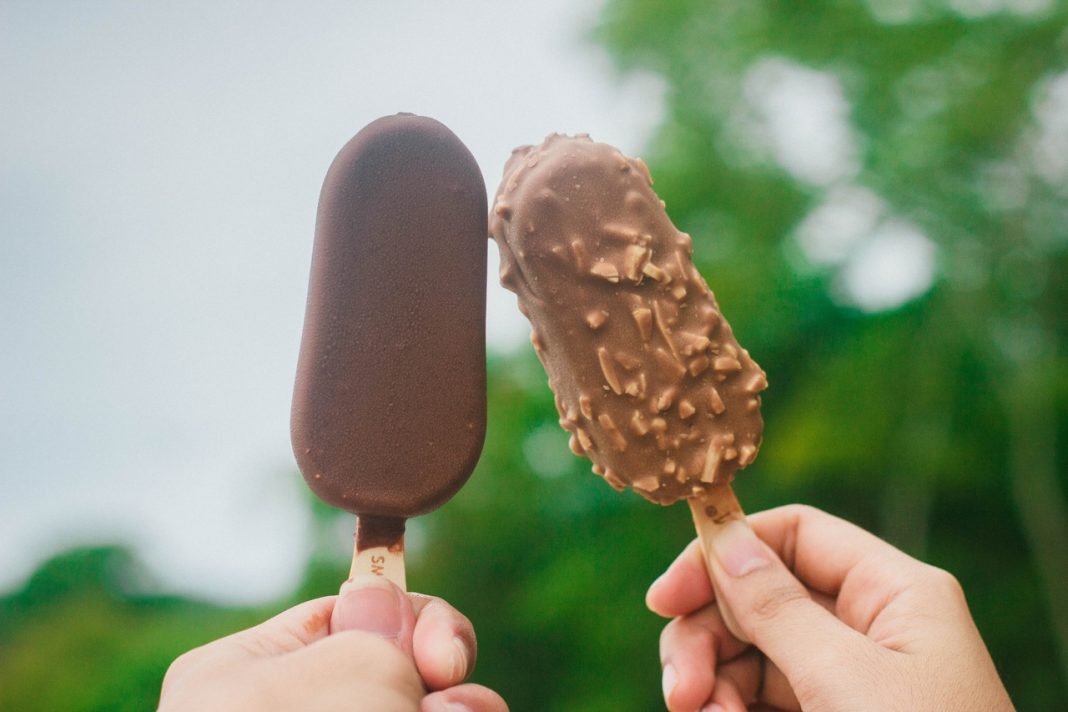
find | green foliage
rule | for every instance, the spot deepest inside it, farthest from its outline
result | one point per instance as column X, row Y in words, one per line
column 936, row 424
column 76, row 637
column 551, row 568
column 939, row 424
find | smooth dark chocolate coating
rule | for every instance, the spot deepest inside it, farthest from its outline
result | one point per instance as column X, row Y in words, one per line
column 389, row 409
column 648, row 377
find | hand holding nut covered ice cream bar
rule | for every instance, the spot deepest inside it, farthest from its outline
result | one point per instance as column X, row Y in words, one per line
column 648, row 377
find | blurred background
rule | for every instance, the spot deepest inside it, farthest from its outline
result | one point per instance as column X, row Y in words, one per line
column 878, row 195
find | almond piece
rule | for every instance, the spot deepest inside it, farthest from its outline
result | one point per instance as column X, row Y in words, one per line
column 605, row 270
column 595, row 319
column 582, row 257
column 644, row 318
column 638, row 426
column 715, row 403
column 651, row 270
column 620, row 232
column 627, row 361
column 586, row 407
column 634, row 257
column 757, row 383
column 698, row 366
column 725, row 364
column 613, row 432
column 649, row 483
column 662, row 327
column 609, row 370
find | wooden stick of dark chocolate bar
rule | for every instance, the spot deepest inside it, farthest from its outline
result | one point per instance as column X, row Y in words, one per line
column 379, row 550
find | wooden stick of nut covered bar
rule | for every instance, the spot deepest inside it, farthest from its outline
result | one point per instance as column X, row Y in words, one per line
column 648, row 377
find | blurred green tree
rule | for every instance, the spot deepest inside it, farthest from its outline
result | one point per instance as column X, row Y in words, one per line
column 942, row 134
column 81, row 634
column 805, row 146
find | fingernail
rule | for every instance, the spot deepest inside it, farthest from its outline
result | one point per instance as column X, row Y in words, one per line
column 459, row 660
column 738, row 549
column 713, row 707
column 371, row 604
column 671, row 679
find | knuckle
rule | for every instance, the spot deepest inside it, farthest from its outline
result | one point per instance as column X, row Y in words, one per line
column 944, row 583
column 696, row 634
column 439, row 619
column 668, row 635
column 777, row 601
column 708, row 625
column 459, row 623
column 679, row 634
column 796, row 512
column 180, row 666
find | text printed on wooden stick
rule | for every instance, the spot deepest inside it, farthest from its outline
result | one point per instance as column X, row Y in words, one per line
column 387, row 562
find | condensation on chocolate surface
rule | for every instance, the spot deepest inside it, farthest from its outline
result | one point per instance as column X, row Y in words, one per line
column 648, row 377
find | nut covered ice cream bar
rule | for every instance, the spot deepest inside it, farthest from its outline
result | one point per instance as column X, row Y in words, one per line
column 648, row 377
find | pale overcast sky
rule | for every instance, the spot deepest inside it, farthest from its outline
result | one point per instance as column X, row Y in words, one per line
column 159, row 170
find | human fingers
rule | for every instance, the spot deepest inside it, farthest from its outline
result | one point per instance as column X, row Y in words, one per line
column 838, row 558
column 774, row 609
column 301, row 625
column 751, row 679
column 820, row 548
column 694, row 646
column 290, row 630
column 738, row 683
column 347, row 666
column 464, row 698
column 684, row 587
column 690, row 648
column 374, row 605
column 443, row 643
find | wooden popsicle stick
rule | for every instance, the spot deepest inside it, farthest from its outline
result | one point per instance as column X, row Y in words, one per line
column 379, row 550
column 711, row 512
column 380, row 561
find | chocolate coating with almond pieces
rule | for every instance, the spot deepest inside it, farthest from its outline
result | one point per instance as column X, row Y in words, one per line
column 648, row 377
column 389, row 409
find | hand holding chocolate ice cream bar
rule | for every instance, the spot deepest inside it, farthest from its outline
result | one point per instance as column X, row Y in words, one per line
column 648, row 377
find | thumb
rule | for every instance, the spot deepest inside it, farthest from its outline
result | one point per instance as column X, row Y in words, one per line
column 374, row 605
column 774, row 609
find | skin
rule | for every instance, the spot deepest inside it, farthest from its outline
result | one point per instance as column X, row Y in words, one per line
column 838, row 619
column 371, row 648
